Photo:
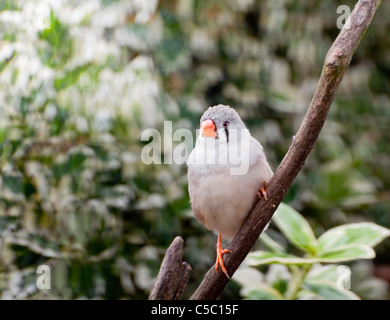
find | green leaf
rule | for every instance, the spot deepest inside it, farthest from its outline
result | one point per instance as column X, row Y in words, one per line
column 364, row 233
column 327, row 273
column 278, row 277
column 295, row 228
column 263, row 257
column 271, row 243
column 3, row 133
column 14, row 183
column 262, row 292
column 329, row 291
column 347, row 253
column 60, row 43
column 76, row 161
column 70, row 78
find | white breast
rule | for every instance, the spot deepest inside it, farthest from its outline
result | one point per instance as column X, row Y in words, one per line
column 220, row 200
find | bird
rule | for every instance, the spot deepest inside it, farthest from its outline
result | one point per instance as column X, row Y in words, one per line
column 227, row 172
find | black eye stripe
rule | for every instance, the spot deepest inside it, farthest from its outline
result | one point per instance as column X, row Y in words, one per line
column 227, row 132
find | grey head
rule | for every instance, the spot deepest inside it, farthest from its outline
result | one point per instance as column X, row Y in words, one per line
column 228, row 124
column 223, row 117
column 224, row 142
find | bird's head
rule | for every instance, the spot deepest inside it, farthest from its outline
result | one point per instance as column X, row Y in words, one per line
column 219, row 122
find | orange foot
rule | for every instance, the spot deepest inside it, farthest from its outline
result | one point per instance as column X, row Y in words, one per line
column 261, row 192
column 220, row 253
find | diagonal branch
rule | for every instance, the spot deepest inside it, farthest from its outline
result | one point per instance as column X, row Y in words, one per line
column 336, row 64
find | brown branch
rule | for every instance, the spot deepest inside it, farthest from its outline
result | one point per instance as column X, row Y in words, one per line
column 185, row 276
column 336, row 63
column 173, row 275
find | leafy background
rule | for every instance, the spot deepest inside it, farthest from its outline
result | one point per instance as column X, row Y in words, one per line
column 78, row 88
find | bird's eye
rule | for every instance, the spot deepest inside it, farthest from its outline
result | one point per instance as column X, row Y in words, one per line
column 226, row 123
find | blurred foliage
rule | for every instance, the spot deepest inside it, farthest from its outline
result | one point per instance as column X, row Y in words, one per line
column 81, row 80
column 305, row 276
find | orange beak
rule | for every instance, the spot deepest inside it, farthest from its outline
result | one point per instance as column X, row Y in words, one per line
column 207, row 128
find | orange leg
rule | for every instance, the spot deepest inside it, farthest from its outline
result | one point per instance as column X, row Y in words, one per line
column 220, row 253
column 261, row 192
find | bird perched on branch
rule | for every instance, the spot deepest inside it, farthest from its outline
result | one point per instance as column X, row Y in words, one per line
column 227, row 171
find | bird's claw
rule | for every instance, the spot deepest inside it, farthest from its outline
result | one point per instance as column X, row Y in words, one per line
column 220, row 253
column 261, row 192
